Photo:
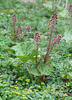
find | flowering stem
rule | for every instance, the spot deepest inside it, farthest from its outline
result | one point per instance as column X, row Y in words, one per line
column 48, row 49
column 14, row 22
column 36, row 39
column 53, row 4
column 36, row 55
column 14, row 28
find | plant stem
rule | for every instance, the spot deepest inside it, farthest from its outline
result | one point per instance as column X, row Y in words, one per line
column 53, row 4
column 36, row 55
column 66, row 5
column 59, row 2
column 48, row 49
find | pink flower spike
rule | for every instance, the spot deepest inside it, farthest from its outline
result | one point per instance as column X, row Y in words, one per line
column 19, row 30
column 57, row 39
column 28, row 28
column 14, row 18
column 36, row 37
column 70, row 10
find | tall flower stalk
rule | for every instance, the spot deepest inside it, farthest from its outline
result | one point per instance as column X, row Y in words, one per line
column 52, row 40
column 14, row 22
column 51, row 43
column 37, row 39
column 17, row 30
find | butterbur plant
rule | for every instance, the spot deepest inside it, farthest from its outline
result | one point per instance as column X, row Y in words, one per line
column 37, row 39
column 42, row 65
column 17, row 30
column 18, row 33
column 52, row 41
column 14, row 22
column 40, row 62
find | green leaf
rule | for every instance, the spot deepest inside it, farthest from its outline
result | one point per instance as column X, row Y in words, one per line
column 34, row 71
column 45, row 69
column 48, row 6
column 41, row 70
column 59, row 8
column 63, row 14
column 29, row 57
column 0, row 98
column 24, row 58
column 68, row 36
column 69, row 76
column 24, row 48
column 34, row 53
column 9, row 49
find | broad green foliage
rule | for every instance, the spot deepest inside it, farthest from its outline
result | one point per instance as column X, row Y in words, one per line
column 67, row 34
column 26, row 52
column 41, row 70
column 20, row 78
column 7, row 4
column 24, row 48
column 63, row 13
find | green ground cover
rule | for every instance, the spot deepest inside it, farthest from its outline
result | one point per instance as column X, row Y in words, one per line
column 35, row 51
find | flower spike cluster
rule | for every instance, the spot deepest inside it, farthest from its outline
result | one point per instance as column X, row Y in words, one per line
column 14, row 18
column 28, row 28
column 70, row 10
column 17, row 30
column 53, row 22
column 52, row 41
column 36, row 37
column 57, row 39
